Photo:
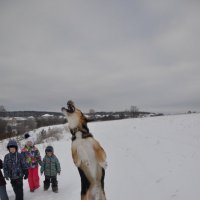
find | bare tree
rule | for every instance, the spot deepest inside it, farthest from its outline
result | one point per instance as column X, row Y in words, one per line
column 92, row 113
column 9, row 131
column 3, row 125
column 134, row 111
column 31, row 123
column 2, row 108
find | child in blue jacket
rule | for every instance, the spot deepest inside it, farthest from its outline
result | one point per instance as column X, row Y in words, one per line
column 15, row 169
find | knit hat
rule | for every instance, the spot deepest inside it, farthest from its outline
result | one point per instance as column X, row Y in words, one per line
column 49, row 149
column 30, row 139
column 12, row 143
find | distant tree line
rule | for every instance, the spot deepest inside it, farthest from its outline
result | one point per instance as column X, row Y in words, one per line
column 133, row 112
column 16, row 123
column 16, row 127
column 27, row 113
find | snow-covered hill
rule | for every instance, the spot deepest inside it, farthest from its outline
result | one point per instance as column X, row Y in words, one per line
column 154, row 158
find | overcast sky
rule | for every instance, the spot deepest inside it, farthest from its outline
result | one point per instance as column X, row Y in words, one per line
column 103, row 55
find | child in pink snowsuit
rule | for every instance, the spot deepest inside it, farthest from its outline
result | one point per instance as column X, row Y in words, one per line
column 32, row 158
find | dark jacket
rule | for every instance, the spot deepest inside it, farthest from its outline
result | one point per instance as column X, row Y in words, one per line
column 2, row 180
column 14, row 166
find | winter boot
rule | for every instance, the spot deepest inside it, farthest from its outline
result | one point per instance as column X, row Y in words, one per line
column 55, row 189
column 46, row 185
column 54, row 185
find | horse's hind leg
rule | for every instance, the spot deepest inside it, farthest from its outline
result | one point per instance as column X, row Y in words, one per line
column 85, row 184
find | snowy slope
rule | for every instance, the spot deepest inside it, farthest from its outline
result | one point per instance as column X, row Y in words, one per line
column 154, row 158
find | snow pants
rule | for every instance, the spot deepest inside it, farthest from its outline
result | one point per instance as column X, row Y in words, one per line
column 33, row 178
column 17, row 185
column 53, row 181
column 3, row 193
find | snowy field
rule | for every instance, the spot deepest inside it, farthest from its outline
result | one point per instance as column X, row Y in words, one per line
column 155, row 158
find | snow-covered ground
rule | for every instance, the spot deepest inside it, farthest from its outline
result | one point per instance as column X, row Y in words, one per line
column 155, row 158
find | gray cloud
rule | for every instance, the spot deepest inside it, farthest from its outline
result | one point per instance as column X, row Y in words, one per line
column 103, row 55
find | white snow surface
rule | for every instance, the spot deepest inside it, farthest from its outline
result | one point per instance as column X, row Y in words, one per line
column 155, row 158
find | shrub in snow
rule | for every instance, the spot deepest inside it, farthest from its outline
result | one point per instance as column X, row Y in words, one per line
column 51, row 134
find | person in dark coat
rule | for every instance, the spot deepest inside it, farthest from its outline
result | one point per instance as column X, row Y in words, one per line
column 15, row 169
column 3, row 193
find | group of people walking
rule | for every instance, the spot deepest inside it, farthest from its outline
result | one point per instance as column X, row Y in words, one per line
column 18, row 166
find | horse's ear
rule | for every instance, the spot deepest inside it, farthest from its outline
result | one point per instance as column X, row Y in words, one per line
column 70, row 103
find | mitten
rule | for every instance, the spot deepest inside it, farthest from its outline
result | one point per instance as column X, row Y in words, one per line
column 25, row 174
